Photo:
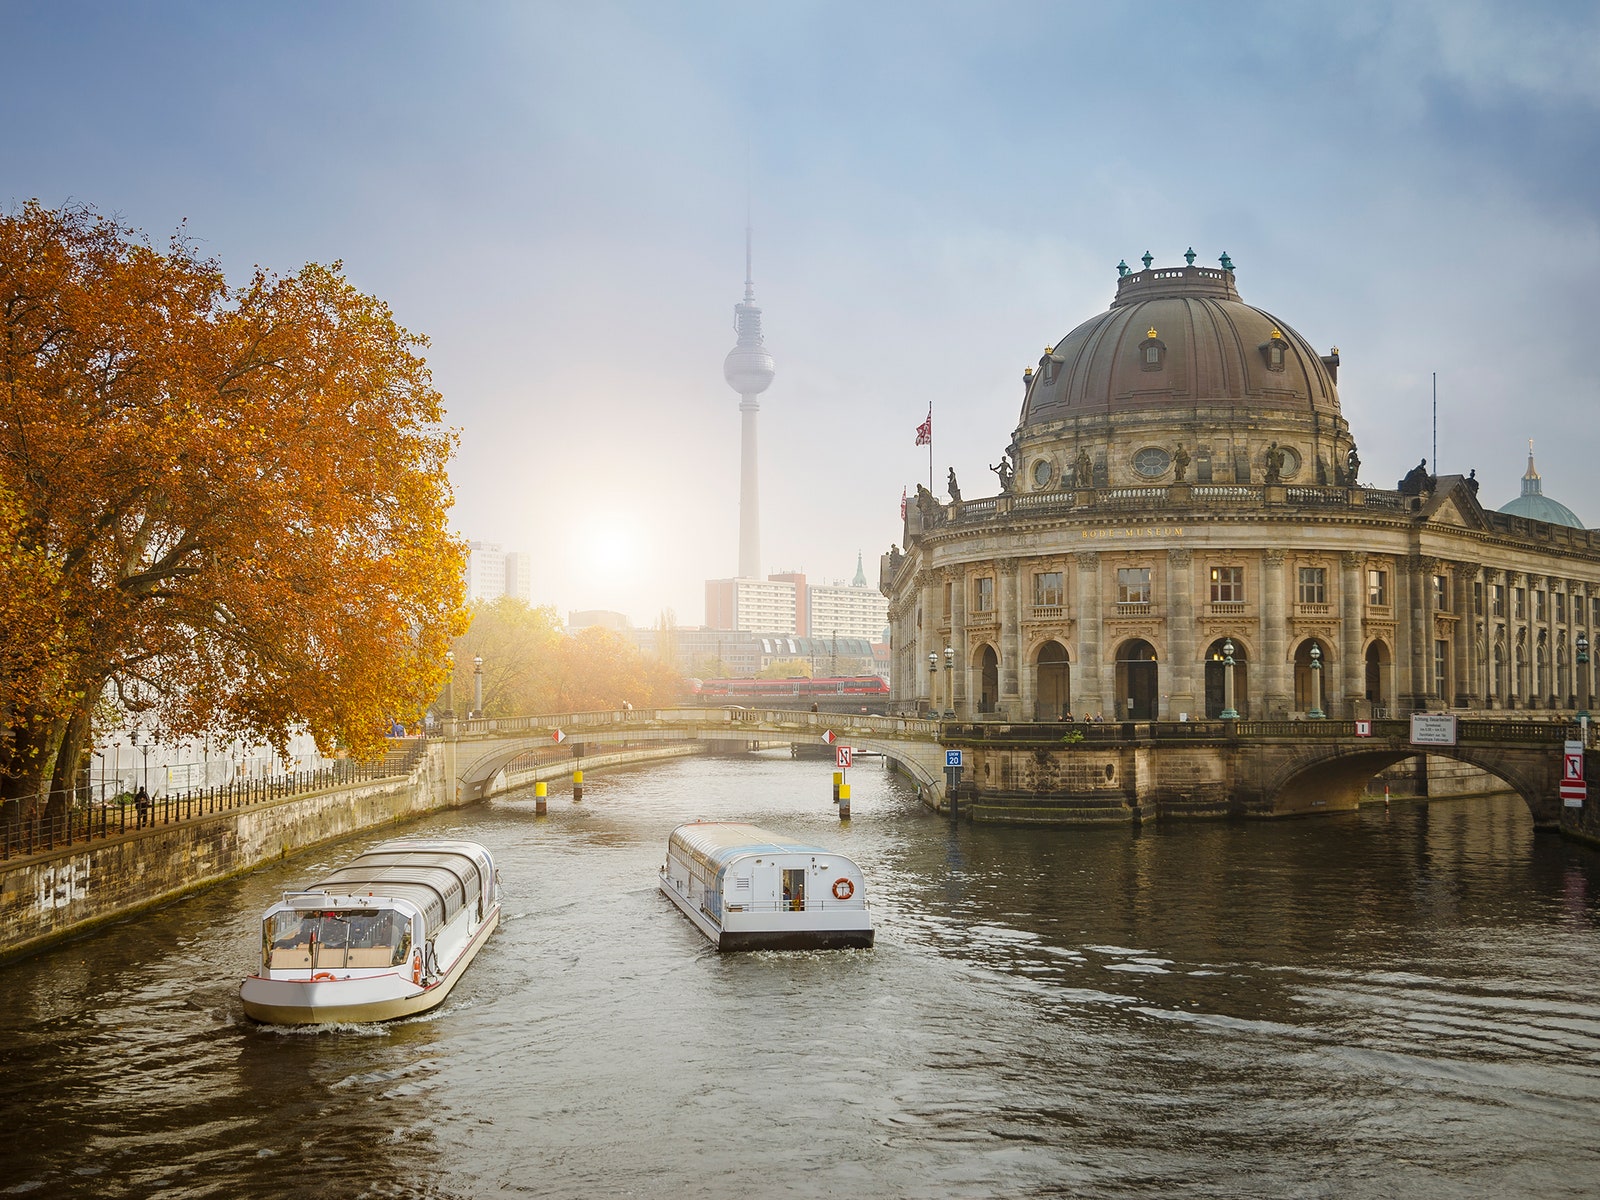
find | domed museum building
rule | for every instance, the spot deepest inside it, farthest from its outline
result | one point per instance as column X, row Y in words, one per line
column 1182, row 488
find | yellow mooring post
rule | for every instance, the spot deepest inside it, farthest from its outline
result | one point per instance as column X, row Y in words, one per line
column 577, row 785
column 844, row 802
column 539, row 798
column 838, row 781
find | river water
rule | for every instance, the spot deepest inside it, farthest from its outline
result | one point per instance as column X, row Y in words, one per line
column 1396, row 1002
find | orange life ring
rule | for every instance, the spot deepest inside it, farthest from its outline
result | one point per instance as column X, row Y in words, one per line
column 843, row 889
column 416, row 967
column 328, row 975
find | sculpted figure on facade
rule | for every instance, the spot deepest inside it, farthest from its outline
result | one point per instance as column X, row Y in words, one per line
column 1082, row 470
column 1274, row 464
column 928, row 505
column 1004, row 470
column 953, row 487
column 1352, row 466
column 1180, row 463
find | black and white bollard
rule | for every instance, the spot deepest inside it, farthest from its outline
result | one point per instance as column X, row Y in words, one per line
column 577, row 786
column 844, row 802
column 539, row 791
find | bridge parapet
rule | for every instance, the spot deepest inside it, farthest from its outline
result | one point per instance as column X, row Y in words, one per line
column 691, row 720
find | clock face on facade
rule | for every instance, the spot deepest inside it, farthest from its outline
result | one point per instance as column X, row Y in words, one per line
column 1152, row 462
column 1043, row 473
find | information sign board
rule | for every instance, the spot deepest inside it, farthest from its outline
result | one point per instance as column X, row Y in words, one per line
column 1363, row 728
column 842, row 756
column 1433, row 729
column 952, row 758
column 1573, row 788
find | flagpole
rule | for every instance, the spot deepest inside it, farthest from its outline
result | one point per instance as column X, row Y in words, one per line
column 930, row 445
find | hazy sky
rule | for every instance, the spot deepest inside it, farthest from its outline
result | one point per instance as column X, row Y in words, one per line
column 555, row 194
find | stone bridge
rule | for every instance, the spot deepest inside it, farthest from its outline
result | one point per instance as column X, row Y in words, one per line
column 1054, row 773
column 494, row 754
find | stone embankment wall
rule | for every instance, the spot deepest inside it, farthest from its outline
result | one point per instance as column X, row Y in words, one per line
column 49, row 896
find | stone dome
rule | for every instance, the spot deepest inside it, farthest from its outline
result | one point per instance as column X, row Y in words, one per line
column 1175, row 338
column 1534, row 505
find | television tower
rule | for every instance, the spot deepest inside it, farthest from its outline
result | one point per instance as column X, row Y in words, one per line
column 748, row 370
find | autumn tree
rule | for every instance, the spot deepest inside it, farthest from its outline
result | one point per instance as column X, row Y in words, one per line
column 531, row 666
column 223, row 505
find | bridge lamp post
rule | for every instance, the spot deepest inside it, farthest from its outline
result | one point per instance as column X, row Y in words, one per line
column 949, row 684
column 1316, row 713
column 477, row 685
column 1228, row 711
column 1583, row 680
column 450, row 685
column 933, row 682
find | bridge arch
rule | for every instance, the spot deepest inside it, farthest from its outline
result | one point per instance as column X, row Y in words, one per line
column 1332, row 776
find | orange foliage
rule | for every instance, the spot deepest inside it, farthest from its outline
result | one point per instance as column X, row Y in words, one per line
column 239, row 494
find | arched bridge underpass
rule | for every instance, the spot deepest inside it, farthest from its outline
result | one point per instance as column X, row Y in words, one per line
column 1064, row 772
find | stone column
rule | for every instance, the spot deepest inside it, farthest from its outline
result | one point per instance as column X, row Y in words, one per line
column 1096, row 680
column 958, row 643
column 1418, row 600
column 1276, row 670
column 927, row 633
column 1463, row 650
column 1010, row 638
column 1182, row 663
column 1352, row 642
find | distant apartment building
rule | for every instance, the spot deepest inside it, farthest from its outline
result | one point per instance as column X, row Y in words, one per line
column 519, row 575
column 492, row 573
column 786, row 603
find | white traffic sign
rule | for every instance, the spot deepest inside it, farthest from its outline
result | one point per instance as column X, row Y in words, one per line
column 1363, row 728
column 830, row 737
column 1574, row 791
column 558, row 737
column 842, row 755
column 952, row 758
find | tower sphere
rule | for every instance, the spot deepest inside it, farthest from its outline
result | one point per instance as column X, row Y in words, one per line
column 748, row 369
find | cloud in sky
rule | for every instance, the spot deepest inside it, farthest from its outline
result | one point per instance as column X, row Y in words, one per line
column 555, row 194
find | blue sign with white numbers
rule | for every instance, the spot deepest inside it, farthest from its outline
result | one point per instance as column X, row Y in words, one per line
column 952, row 758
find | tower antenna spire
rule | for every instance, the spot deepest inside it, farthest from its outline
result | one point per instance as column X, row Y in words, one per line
column 748, row 370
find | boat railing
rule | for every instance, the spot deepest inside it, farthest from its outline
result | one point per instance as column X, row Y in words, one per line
column 811, row 905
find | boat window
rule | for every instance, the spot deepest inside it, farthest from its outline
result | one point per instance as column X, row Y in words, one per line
column 325, row 938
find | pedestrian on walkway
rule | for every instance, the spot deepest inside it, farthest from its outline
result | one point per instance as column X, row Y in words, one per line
column 141, row 805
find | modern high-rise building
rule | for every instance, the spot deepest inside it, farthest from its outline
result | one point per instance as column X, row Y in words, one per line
column 786, row 604
column 749, row 371
column 492, row 573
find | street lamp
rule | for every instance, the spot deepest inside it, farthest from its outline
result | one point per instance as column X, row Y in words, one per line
column 1316, row 713
column 1228, row 711
column 450, row 685
column 477, row 685
column 1583, row 680
column 933, row 682
column 949, row 687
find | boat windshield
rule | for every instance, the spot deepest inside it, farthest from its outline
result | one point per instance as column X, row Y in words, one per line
column 327, row 938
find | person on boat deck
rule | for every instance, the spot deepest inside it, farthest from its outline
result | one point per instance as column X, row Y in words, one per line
column 141, row 806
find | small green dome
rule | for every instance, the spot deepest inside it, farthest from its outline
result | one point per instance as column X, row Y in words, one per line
column 1534, row 505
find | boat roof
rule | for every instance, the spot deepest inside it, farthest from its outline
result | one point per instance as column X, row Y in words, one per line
column 439, row 877
column 727, row 838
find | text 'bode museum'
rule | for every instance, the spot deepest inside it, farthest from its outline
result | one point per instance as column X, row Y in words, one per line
column 1182, row 499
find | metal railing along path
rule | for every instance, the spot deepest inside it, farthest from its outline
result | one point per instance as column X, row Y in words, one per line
column 87, row 818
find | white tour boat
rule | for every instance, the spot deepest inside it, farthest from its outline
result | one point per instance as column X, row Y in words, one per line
column 386, row 936
column 747, row 889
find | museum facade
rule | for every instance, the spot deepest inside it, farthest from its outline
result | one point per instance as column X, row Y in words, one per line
column 1182, row 523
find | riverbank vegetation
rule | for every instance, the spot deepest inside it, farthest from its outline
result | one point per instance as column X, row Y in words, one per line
column 223, row 506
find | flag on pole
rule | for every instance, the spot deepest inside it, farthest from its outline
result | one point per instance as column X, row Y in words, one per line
column 902, row 504
column 925, row 430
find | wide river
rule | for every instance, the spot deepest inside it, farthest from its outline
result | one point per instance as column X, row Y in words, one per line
column 1389, row 1003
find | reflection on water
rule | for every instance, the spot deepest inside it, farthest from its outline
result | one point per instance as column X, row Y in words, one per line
column 1351, row 1006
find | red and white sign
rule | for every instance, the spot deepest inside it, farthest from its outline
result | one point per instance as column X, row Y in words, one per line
column 830, row 737
column 1573, row 789
column 558, row 737
column 842, row 755
column 1363, row 728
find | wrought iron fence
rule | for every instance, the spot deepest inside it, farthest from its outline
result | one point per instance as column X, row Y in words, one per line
column 95, row 814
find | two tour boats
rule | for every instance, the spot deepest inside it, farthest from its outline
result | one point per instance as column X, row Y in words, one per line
column 386, row 936
column 747, row 889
